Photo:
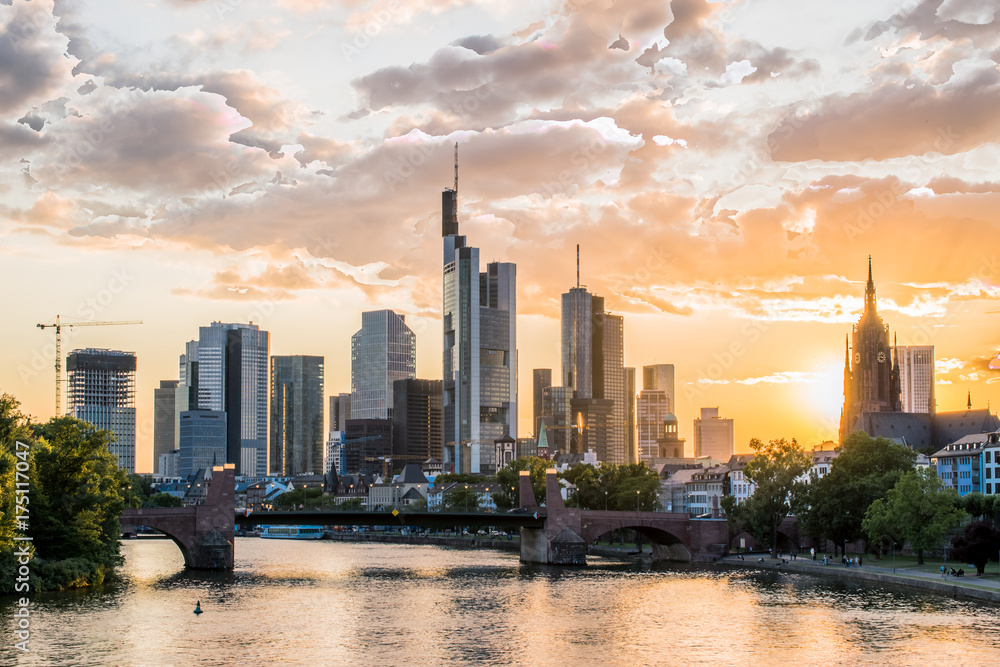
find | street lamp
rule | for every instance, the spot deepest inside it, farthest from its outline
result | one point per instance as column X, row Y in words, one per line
column 466, row 497
column 637, row 501
column 605, row 501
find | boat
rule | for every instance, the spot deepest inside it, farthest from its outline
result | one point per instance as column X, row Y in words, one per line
column 292, row 532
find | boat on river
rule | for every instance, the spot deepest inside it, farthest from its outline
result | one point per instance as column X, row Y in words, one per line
column 292, row 532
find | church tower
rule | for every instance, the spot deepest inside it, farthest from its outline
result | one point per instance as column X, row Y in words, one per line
column 871, row 375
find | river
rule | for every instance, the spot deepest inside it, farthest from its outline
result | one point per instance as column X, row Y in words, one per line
column 334, row 603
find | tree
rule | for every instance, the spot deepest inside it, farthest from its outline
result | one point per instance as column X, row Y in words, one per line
column 508, row 481
column 462, row 497
column 919, row 509
column 14, row 428
column 978, row 543
column 77, row 496
column 623, row 487
column 163, row 500
column 301, row 496
column 834, row 506
column 773, row 470
column 982, row 507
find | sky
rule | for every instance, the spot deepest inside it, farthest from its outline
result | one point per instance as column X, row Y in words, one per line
column 726, row 167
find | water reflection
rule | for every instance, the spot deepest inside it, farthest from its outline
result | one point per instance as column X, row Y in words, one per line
column 339, row 603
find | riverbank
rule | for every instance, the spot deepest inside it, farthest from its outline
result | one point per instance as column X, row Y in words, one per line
column 981, row 589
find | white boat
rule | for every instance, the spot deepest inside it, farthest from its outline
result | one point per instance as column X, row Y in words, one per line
column 292, row 532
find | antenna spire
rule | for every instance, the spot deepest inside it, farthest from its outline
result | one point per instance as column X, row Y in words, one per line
column 578, row 265
column 456, row 166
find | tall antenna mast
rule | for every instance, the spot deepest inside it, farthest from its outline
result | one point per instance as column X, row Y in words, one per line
column 578, row 265
column 454, row 201
column 456, row 166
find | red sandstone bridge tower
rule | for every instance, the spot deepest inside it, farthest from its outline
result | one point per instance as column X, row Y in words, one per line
column 203, row 532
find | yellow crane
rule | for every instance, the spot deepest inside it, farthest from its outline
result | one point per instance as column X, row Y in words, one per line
column 58, row 325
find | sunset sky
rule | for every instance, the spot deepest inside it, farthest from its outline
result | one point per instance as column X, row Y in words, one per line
column 727, row 168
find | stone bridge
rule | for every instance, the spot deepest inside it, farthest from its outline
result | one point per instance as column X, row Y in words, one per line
column 203, row 532
column 567, row 531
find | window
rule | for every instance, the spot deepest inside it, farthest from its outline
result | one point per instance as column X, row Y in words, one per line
column 988, row 456
column 989, row 489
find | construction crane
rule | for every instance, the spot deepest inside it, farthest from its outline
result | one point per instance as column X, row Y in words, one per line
column 58, row 327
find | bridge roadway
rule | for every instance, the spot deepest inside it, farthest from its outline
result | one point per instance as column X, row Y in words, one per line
column 553, row 534
column 435, row 520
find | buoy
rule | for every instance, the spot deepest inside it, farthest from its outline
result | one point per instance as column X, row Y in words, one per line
column 197, row 608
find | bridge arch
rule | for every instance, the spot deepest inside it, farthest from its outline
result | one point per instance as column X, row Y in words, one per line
column 181, row 544
column 667, row 544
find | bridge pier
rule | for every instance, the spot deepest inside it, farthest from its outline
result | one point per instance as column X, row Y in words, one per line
column 559, row 542
column 204, row 533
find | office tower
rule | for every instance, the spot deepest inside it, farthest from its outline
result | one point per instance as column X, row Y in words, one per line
column 225, row 370
column 558, row 420
column 653, row 407
column 916, row 377
column 416, row 420
column 334, row 458
column 871, row 377
column 593, row 363
column 631, row 446
column 382, row 351
column 202, row 439
column 713, row 435
column 367, row 446
column 340, row 411
column 541, row 379
column 497, row 362
column 479, row 365
column 296, row 415
column 164, row 415
column 102, row 393
column 661, row 376
column 595, row 428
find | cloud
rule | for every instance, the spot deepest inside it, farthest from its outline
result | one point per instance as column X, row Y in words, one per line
column 32, row 65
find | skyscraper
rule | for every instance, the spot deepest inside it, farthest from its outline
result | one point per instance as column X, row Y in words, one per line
column 557, row 408
column 916, row 377
column 541, row 379
column 479, row 366
column 164, row 417
column 340, row 411
column 102, row 392
column 653, row 407
column 416, row 420
column 225, row 370
column 296, row 415
column 382, row 351
column 631, row 445
column 593, row 365
column 871, row 376
column 660, row 376
column 713, row 435
column 202, row 436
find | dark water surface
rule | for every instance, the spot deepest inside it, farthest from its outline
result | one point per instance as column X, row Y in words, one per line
column 334, row 603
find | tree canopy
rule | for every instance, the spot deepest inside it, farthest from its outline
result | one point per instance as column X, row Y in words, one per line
column 919, row 509
column 978, row 543
column 624, row 487
column 834, row 506
column 508, row 481
column 773, row 470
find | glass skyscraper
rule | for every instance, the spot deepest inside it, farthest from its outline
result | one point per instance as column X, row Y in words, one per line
column 382, row 351
column 296, row 415
column 225, row 370
column 102, row 393
column 202, row 436
column 480, row 348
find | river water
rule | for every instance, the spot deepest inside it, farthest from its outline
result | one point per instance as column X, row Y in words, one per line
column 335, row 603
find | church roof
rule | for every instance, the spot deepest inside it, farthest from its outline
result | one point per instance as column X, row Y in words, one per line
column 914, row 429
column 412, row 474
column 951, row 426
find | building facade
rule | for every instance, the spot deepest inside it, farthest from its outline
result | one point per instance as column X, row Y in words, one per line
column 382, row 351
column 660, row 377
column 340, row 412
column 226, row 370
column 916, row 377
column 479, row 365
column 203, row 440
column 296, row 415
column 101, row 391
column 713, row 435
column 541, row 379
column 631, row 442
column 367, row 446
column 871, row 377
column 164, row 418
column 417, row 420
column 652, row 408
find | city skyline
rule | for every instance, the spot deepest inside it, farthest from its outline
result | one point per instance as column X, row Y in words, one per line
column 726, row 180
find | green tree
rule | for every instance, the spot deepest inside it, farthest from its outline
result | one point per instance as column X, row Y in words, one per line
column 77, row 496
column 624, row 487
column 462, row 478
column 351, row 505
column 14, row 427
column 919, row 509
column 290, row 500
column 163, row 500
column 978, row 543
column 462, row 497
column 834, row 506
column 508, row 481
column 416, row 506
column 773, row 470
